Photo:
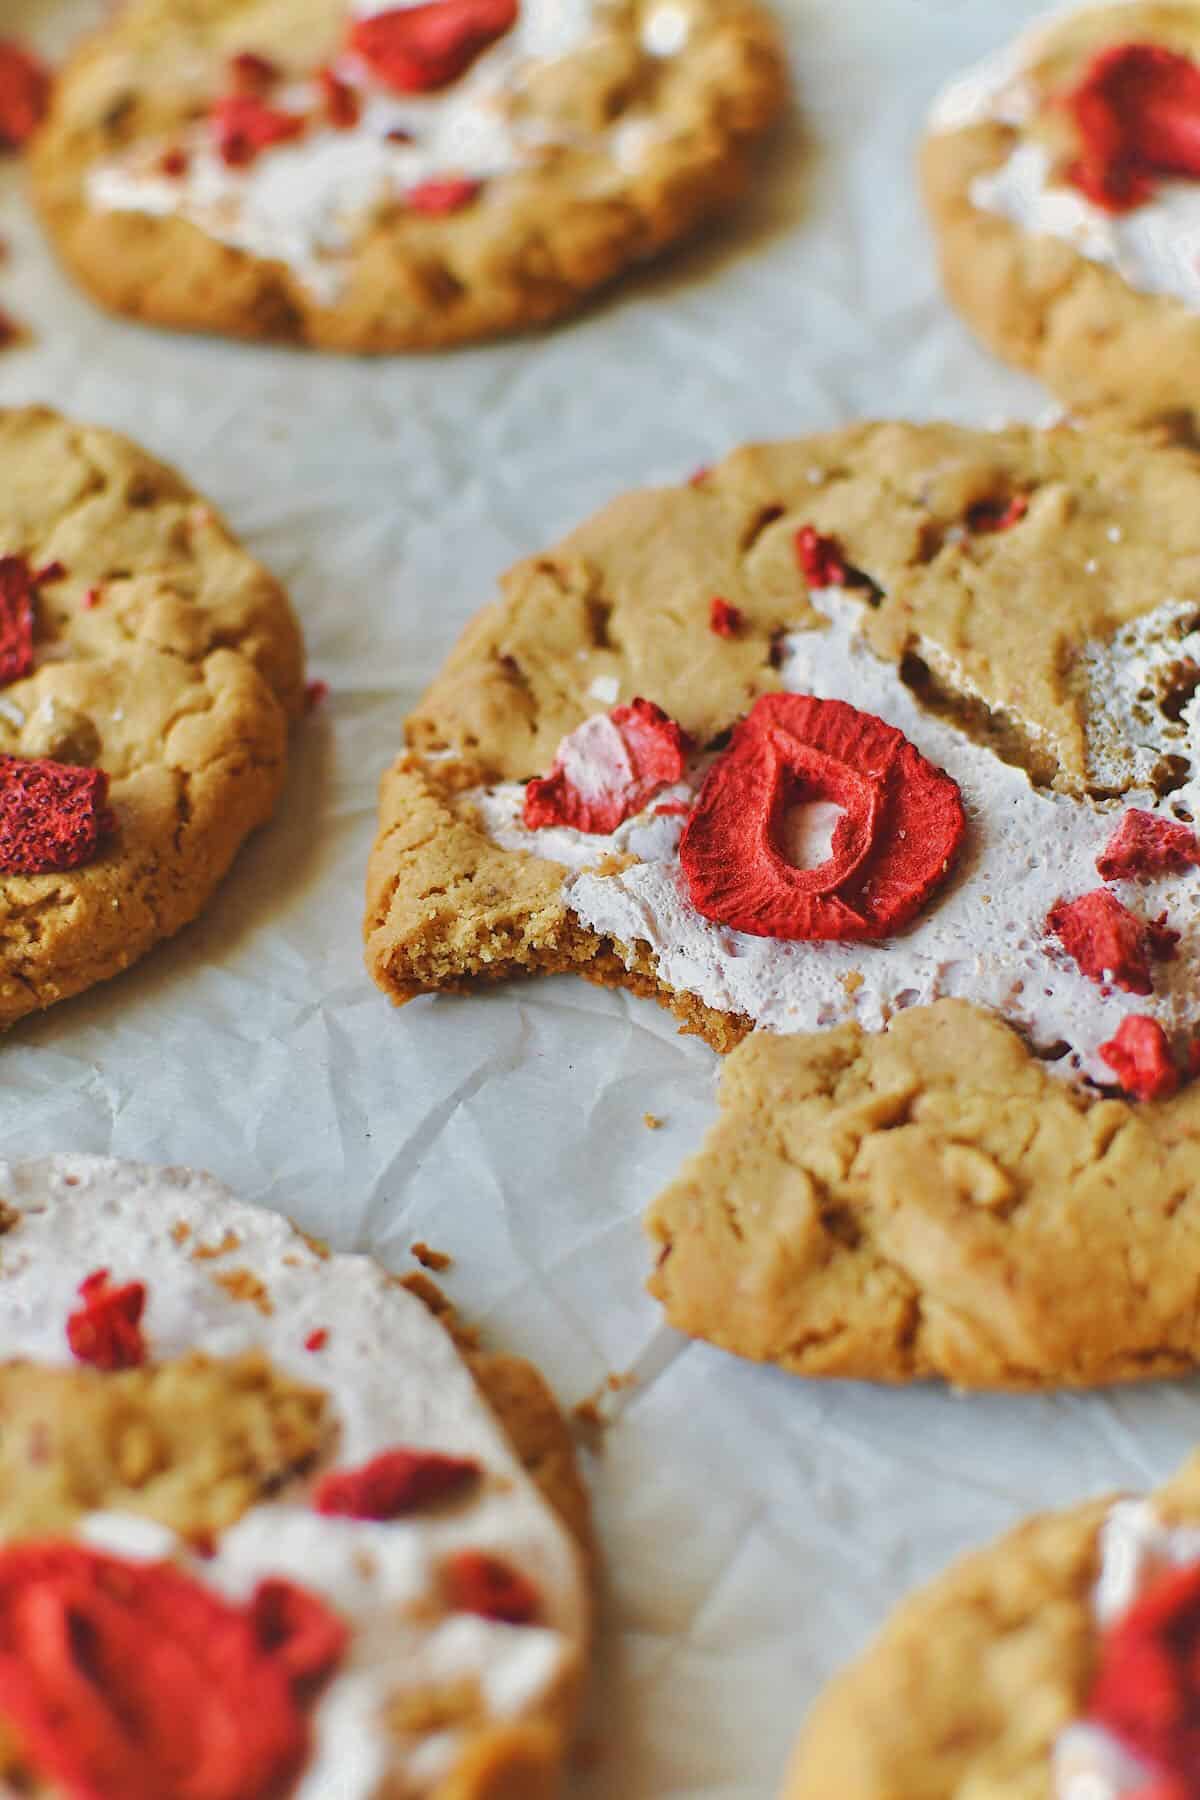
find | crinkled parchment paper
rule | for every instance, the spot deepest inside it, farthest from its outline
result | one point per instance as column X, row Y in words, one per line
column 757, row 1527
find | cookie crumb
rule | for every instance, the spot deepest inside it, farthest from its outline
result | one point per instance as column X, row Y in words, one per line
column 652, row 1122
column 852, row 980
column 244, row 1284
column 209, row 1252
column 437, row 1260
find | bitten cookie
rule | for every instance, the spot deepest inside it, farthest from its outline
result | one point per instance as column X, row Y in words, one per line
column 1063, row 179
column 373, row 178
column 1057, row 1665
column 297, row 1539
column 148, row 671
column 881, row 747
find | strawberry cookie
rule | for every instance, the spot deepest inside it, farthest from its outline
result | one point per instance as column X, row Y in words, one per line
column 370, row 177
column 148, row 672
column 1063, row 177
column 875, row 758
column 267, row 1526
column 1060, row 1664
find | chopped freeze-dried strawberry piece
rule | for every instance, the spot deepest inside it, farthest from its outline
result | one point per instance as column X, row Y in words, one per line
column 317, row 1340
column 901, row 825
column 997, row 515
column 52, row 815
column 343, row 106
column 133, row 1679
column 415, row 49
column 49, row 573
column 394, row 1483
column 18, row 591
column 478, row 1583
column 821, row 560
column 244, row 126
column 1144, row 845
column 1147, row 1687
column 252, row 73
column 1140, row 1057
column 1109, row 942
column 436, row 198
column 175, row 163
column 24, row 94
column 699, row 476
column 106, row 1331
column 725, row 620
column 672, row 809
column 607, row 769
column 315, row 694
column 1137, row 113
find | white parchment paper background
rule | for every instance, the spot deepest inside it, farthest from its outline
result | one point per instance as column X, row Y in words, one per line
column 757, row 1528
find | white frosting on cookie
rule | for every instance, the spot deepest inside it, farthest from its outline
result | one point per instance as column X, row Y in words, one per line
column 1155, row 247
column 304, row 203
column 1135, row 1548
column 393, row 1378
column 981, row 937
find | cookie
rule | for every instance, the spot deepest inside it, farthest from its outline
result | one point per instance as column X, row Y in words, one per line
column 875, row 755
column 148, row 672
column 1065, row 198
column 248, row 1466
column 371, row 178
column 1052, row 1666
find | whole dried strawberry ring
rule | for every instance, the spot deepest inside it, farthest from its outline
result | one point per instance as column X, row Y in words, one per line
column 901, row 825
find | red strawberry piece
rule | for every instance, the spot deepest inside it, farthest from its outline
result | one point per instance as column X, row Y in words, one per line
column 49, row 573
column 1140, row 1058
column 317, row 1340
column 901, row 827
column 18, row 591
column 175, row 163
column 723, row 619
column 997, row 515
column 822, row 562
column 437, row 197
column 343, row 107
column 52, row 815
column 106, row 1330
column 1109, row 942
column 607, row 769
column 252, row 73
column 1137, row 112
column 24, row 94
column 415, row 49
column 1144, row 845
column 1147, row 1687
column 393, row 1484
column 134, row 1679
column 478, row 1583
column 244, row 126
column 315, row 694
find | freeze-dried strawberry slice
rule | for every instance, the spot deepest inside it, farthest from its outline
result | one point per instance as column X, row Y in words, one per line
column 901, row 826
column 1137, row 112
column 1139, row 1055
column 18, row 590
column 607, row 769
column 822, row 561
column 723, row 619
column 106, row 1331
column 394, row 1483
column 24, row 94
column 478, row 1583
column 244, row 126
column 52, row 815
column 1144, row 845
column 415, row 49
column 1109, row 942
column 1147, row 1687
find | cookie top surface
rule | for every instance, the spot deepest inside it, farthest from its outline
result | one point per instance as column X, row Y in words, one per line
column 266, row 1370
column 162, row 655
column 371, row 177
column 1010, row 1674
column 1063, row 225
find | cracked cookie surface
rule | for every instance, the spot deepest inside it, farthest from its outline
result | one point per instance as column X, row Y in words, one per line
column 164, row 656
column 1104, row 308
column 583, row 140
column 270, row 1378
column 922, row 1190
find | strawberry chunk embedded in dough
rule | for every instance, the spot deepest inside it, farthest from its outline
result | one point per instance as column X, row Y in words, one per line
column 607, row 769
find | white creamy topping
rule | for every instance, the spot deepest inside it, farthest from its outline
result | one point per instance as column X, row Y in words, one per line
column 981, row 936
column 1155, row 247
column 393, row 1378
column 303, row 203
column 1135, row 1548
